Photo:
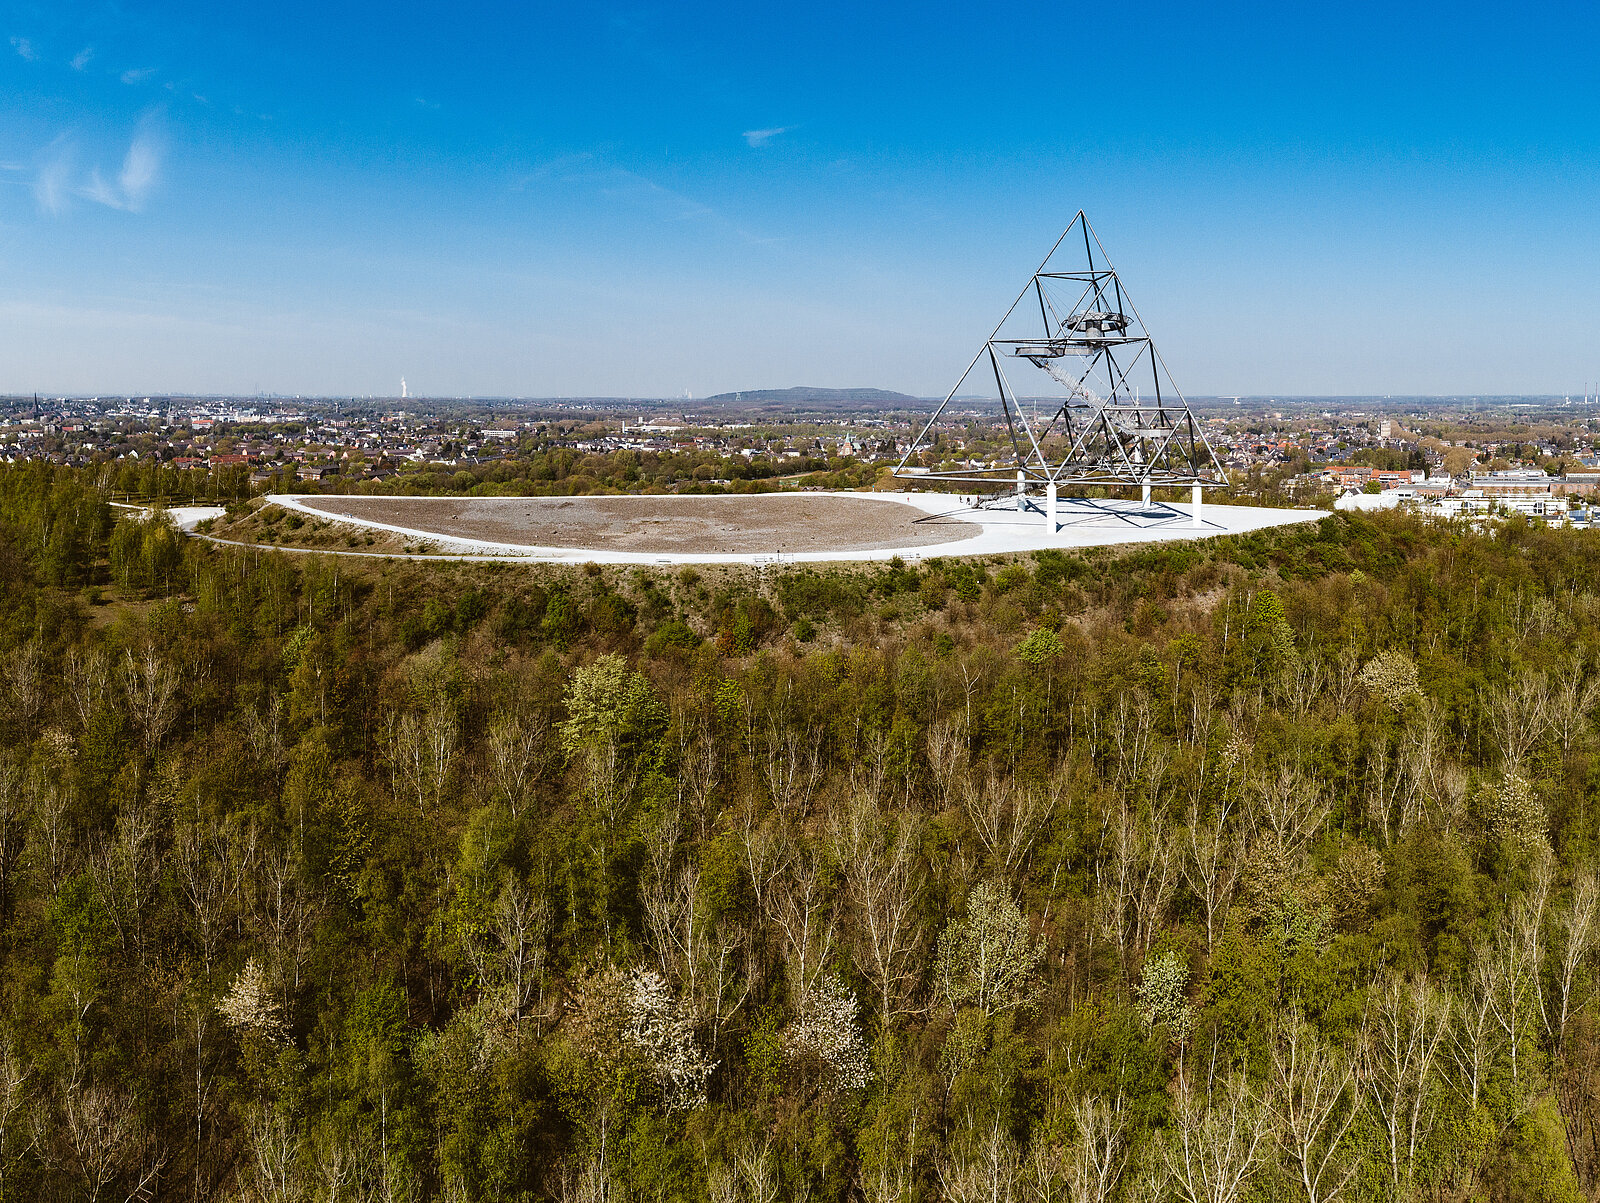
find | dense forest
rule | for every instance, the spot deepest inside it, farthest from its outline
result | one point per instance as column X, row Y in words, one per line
column 1259, row 867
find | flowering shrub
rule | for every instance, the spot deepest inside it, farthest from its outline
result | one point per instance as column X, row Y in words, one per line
column 661, row 1029
column 249, row 1006
column 827, row 1032
column 1513, row 814
column 623, row 1016
column 1163, row 993
column 1391, row 677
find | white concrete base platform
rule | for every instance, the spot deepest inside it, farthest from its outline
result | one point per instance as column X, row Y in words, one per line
column 1090, row 522
column 1001, row 529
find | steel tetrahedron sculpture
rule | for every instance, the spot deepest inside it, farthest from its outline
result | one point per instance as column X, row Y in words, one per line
column 1101, row 408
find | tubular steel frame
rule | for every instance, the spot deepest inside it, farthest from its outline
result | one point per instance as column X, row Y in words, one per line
column 1118, row 438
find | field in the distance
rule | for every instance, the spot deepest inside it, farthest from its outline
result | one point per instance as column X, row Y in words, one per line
column 750, row 524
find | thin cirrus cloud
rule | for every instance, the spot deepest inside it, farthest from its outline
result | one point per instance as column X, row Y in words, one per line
column 760, row 137
column 137, row 75
column 58, row 181
column 82, row 58
column 52, row 183
column 24, row 48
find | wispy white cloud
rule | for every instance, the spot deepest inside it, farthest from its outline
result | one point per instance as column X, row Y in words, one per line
column 24, row 48
column 593, row 174
column 57, row 179
column 760, row 137
column 82, row 58
column 562, row 168
column 137, row 75
column 100, row 192
column 52, row 182
column 618, row 183
column 587, row 170
column 141, row 167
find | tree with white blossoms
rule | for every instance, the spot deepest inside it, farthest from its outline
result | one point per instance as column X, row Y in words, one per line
column 1391, row 677
column 661, row 1028
column 1163, row 993
column 627, row 1022
column 250, row 1004
column 1513, row 814
column 989, row 958
column 828, row 1032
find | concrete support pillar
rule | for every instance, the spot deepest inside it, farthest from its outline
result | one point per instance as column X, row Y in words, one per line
column 1022, row 492
column 1144, row 495
column 1050, row 508
column 1195, row 507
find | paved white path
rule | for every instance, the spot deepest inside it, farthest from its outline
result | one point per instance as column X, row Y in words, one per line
column 184, row 517
column 1081, row 522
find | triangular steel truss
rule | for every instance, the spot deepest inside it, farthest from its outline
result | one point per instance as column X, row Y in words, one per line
column 1112, row 415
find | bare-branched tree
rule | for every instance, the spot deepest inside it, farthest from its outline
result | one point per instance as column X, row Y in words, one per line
column 1136, row 872
column 126, row 871
column 984, row 1169
column 1573, row 698
column 1473, row 1032
column 286, row 913
column 23, row 670
column 1291, row 807
column 88, row 682
column 1405, row 1025
column 519, row 751
column 271, row 1172
column 699, row 770
column 1577, row 925
column 947, row 757
column 15, row 1100
column 1517, row 715
column 1215, row 847
column 421, row 751
column 1314, row 1102
column 151, row 687
column 878, row 855
column 805, row 919
column 1007, row 817
column 98, row 1139
column 1087, row 1166
column 522, row 931
column 792, row 765
column 212, row 861
column 1217, row 1142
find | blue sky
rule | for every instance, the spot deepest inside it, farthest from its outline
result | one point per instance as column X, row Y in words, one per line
column 589, row 200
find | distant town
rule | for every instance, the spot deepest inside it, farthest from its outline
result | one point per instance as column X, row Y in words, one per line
column 1448, row 457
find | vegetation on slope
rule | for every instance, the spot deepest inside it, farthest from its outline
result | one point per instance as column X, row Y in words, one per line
column 1263, row 867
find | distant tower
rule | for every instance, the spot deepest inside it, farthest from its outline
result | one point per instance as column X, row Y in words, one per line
column 402, row 388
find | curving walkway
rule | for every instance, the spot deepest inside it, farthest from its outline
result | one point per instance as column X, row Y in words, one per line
column 972, row 531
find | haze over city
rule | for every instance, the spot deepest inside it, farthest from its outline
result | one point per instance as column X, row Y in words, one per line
column 645, row 201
